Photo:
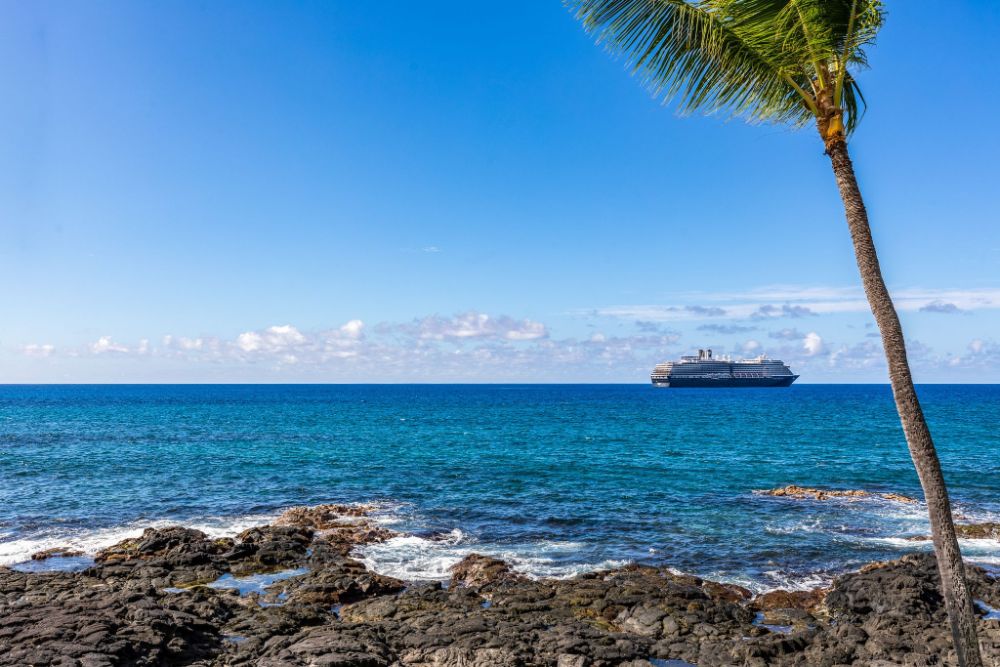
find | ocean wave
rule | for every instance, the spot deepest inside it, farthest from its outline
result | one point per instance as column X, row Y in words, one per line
column 415, row 558
column 19, row 550
column 790, row 581
column 969, row 546
column 809, row 526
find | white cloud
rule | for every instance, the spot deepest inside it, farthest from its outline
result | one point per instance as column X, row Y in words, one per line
column 939, row 306
column 812, row 343
column 105, row 345
column 183, row 343
column 485, row 347
column 769, row 310
column 726, row 328
column 468, row 346
column 353, row 329
column 863, row 355
column 249, row 341
column 796, row 301
column 473, row 325
column 270, row 340
column 526, row 330
column 786, row 334
column 38, row 350
column 979, row 354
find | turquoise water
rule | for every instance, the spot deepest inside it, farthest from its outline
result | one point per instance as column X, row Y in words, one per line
column 559, row 478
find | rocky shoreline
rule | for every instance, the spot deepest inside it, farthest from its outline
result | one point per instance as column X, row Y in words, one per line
column 291, row 594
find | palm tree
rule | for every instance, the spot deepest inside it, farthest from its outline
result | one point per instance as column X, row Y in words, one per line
column 793, row 61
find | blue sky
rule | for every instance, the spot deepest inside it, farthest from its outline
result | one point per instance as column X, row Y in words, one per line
column 340, row 191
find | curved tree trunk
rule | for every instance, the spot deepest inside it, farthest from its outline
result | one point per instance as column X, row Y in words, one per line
column 958, row 600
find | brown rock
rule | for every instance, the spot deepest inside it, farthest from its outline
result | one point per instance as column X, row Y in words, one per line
column 476, row 571
column 338, row 613
column 344, row 526
column 782, row 599
column 321, row 517
column 804, row 492
column 972, row 531
column 793, row 491
column 56, row 552
column 898, row 497
column 726, row 592
column 979, row 531
column 155, row 542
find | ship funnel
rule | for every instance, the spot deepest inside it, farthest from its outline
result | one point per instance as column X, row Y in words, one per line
column 709, row 353
column 701, row 354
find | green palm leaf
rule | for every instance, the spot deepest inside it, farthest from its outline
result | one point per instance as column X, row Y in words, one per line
column 762, row 60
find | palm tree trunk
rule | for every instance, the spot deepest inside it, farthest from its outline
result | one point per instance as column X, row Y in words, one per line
column 958, row 600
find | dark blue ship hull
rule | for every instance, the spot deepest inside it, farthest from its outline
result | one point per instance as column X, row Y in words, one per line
column 727, row 382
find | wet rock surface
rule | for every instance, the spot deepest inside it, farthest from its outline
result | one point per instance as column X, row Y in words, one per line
column 56, row 552
column 145, row 602
column 970, row 531
column 804, row 492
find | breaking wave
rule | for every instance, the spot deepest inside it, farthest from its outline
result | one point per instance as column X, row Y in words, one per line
column 90, row 541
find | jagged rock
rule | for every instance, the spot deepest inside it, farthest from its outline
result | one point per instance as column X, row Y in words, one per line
column 782, row 599
column 727, row 592
column 344, row 526
column 802, row 492
column 157, row 542
column 340, row 582
column 898, row 497
column 160, row 557
column 70, row 619
column 321, row 517
column 971, row 531
column 979, row 531
column 476, row 571
column 56, row 552
column 338, row 613
column 334, row 645
column 268, row 548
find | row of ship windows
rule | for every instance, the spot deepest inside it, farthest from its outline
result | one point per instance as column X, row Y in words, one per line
column 742, row 374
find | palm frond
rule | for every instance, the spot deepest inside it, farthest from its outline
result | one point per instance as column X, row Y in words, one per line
column 764, row 60
column 691, row 52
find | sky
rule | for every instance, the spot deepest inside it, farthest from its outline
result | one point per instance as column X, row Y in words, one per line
column 445, row 192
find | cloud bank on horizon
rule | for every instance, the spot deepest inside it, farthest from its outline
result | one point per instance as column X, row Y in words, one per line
column 804, row 327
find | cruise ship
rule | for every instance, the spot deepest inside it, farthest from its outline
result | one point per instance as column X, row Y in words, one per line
column 705, row 370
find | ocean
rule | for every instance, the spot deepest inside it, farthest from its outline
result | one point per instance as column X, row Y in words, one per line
column 558, row 479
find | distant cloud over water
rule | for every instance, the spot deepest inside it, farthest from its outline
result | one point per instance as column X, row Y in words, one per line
column 619, row 343
column 940, row 307
column 726, row 328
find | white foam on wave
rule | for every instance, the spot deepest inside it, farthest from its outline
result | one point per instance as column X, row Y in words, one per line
column 19, row 550
column 414, row 558
column 970, row 547
column 770, row 580
column 809, row 526
column 894, row 542
column 780, row 580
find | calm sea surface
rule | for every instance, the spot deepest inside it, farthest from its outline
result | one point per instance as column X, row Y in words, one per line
column 558, row 478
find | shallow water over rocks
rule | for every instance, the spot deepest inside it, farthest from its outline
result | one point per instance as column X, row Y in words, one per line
column 335, row 611
column 555, row 480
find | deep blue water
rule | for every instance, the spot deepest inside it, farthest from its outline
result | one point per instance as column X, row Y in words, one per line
column 558, row 478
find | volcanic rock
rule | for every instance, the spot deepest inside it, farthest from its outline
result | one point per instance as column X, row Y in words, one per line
column 803, row 492
column 127, row 610
column 56, row 552
column 477, row 571
column 971, row 531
